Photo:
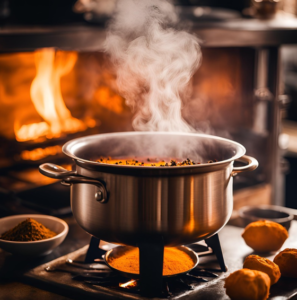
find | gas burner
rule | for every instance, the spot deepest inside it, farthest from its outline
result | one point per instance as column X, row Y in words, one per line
column 170, row 286
column 151, row 283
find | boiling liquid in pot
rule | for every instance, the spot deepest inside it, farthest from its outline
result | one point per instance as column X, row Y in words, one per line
column 148, row 161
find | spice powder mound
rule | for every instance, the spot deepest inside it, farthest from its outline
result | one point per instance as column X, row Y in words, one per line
column 175, row 262
column 28, row 230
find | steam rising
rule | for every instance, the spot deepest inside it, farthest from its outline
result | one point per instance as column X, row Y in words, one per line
column 154, row 62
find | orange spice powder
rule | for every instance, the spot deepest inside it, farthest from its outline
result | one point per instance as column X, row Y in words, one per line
column 28, row 230
column 175, row 261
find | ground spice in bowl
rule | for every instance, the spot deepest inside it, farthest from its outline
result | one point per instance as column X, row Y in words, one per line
column 175, row 261
column 28, row 230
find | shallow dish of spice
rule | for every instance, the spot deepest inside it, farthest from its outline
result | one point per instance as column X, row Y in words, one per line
column 32, row 235
column 177, row 260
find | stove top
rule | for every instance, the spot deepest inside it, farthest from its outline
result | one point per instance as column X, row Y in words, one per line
column 211, row 285
column 70, row 274
column 150, row 281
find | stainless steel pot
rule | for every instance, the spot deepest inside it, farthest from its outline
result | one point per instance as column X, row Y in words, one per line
column 126, row 204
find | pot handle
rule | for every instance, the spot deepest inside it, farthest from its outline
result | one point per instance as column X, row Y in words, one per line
column 251, row 166
column 55, row 171
column 70, row 177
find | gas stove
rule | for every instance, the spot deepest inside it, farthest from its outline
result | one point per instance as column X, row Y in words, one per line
column 210, row 284
column 85, row 270
column 151, row 260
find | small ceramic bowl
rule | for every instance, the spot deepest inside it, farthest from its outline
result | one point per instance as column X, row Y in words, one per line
column 273, row 213
column 34, row 248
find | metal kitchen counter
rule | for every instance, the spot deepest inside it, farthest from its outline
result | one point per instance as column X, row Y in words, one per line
column 234, row 250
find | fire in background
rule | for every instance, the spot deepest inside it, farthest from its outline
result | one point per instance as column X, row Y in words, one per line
column 43, row 94
column 86, row 92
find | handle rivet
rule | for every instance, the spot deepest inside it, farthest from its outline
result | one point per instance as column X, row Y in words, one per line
column 99, row 196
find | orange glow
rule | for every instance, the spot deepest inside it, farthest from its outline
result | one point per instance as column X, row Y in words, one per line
column 47, row 94
column 129, row 284
column 190, row 226
column 106, row 99
column 40, row 153
column 47, row 98
column 224, row 89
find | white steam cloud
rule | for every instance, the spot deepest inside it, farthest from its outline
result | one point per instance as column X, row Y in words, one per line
column 154, row 62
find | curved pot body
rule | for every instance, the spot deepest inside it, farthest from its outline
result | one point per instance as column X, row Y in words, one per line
column 127, row 204
column 182, row 209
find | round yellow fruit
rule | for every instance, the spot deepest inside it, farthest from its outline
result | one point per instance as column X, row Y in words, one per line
column 247, row 284
column 287, row 262
column 255, row 262
column 265, row 236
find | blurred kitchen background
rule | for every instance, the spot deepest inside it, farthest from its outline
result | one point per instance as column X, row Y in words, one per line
column 56, row 84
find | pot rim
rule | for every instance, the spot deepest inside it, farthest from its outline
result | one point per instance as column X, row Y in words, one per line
column 74, row 144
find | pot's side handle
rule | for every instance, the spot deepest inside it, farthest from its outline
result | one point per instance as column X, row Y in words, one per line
column 251, row 166
column 101, row 194
column 71, row 177
column 55, row 171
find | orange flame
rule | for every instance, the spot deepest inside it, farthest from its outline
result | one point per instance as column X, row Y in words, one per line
column 47, row 97
column 129, row 284
column 40, row 153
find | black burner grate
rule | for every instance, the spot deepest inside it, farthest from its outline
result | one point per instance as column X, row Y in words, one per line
column 151, row 282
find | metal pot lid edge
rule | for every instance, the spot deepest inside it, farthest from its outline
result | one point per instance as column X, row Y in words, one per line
column 131, row 133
